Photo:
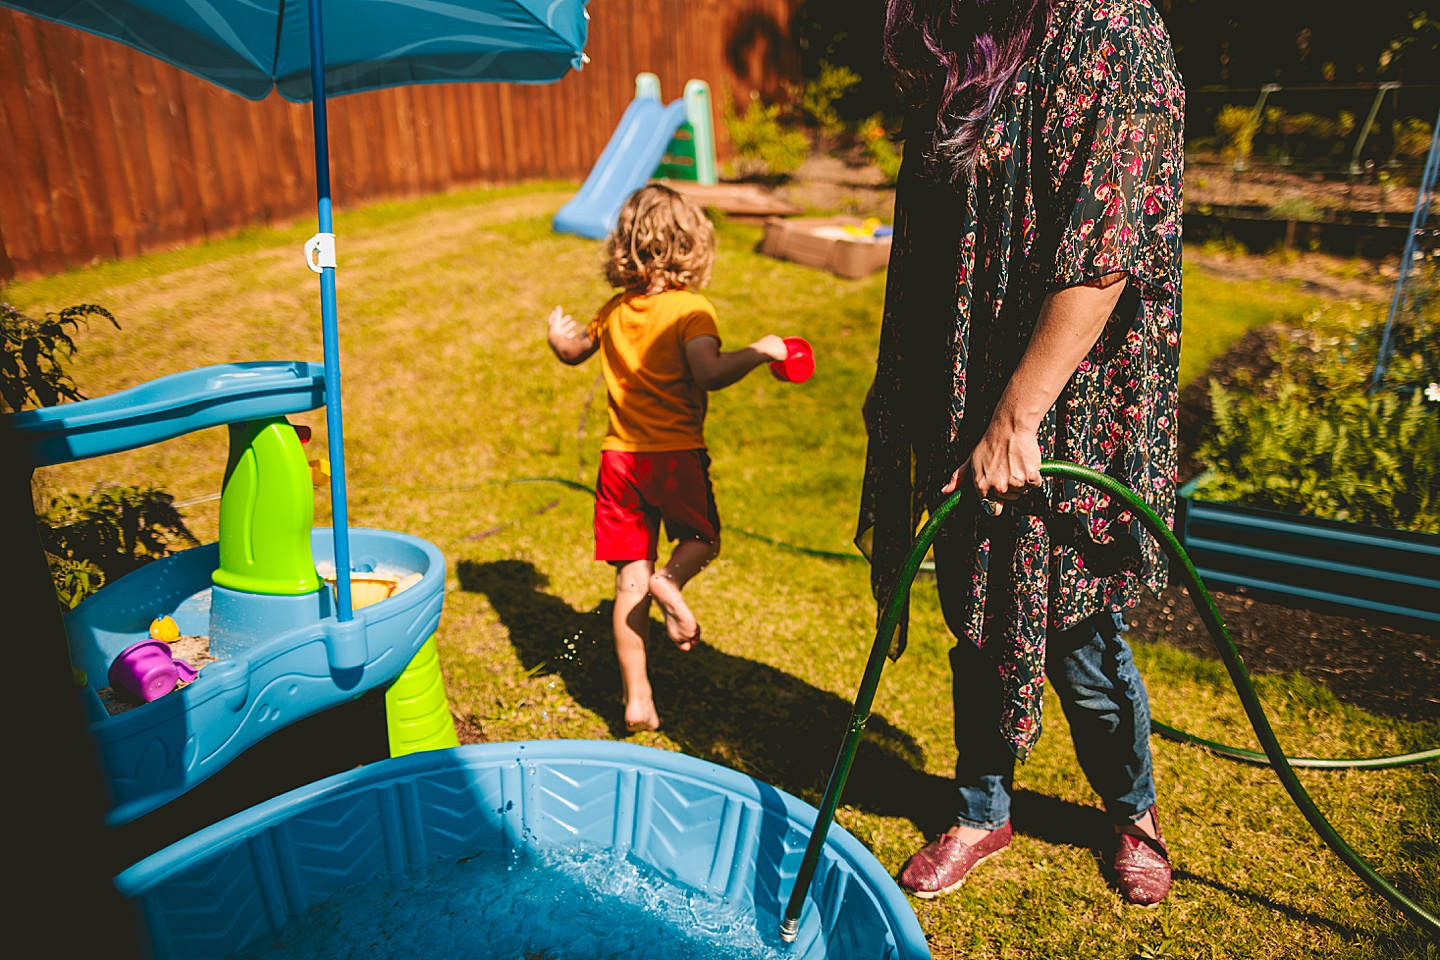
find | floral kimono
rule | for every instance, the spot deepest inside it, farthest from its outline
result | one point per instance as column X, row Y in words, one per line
column 1078, row 176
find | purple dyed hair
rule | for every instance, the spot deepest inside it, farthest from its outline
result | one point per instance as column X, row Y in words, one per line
column 953, row 58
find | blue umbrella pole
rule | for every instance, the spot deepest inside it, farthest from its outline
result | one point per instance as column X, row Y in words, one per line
column 320, row 255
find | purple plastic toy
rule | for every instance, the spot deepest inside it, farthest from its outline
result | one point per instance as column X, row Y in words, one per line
column 148, row 670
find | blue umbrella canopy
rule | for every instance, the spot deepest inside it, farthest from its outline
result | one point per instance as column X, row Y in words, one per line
column 251, row 47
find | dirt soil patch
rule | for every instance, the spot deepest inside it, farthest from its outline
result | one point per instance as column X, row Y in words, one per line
column 1321, row 274
column 832, row 184
column 1377, row 668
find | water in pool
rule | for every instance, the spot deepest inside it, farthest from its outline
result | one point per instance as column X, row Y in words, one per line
column 543, row 905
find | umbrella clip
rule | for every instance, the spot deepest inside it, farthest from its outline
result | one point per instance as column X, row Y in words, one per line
column 320, row 252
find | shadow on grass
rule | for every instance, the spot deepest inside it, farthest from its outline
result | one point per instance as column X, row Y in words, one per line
column 760, row 720
column 1061, row 822
column 745, row 715
column 1387, row 942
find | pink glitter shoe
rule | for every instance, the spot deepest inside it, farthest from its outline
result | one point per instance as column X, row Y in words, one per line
column 943, row 864
column 1142, row 867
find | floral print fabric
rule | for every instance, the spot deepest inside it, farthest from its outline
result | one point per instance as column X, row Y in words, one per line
column 1078, row 176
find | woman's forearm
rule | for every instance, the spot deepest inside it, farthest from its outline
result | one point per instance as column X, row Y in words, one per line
column 1006, row 461
column 1070, row 322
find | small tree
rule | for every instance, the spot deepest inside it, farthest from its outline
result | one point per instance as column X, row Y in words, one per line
column 33, row 353
column 92, row 538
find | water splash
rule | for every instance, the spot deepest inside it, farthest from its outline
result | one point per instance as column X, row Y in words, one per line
column 573, row 904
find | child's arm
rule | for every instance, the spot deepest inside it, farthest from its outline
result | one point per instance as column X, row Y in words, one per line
column 569, row 344
column 714, row 370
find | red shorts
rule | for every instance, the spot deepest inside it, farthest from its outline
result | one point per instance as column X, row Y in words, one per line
column 635, row 491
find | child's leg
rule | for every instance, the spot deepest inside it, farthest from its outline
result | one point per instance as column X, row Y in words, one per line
column 632, row 624
column 688, row 559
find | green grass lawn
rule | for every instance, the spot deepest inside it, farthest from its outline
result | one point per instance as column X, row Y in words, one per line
column 449, row 388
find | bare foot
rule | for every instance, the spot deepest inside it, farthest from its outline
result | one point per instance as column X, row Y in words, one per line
column 641, row 715
column 680, row 623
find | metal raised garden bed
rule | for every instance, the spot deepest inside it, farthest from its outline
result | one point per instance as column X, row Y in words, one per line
column 1353, row 569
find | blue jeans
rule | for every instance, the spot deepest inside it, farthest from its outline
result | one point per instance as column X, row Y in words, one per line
column 1091, row 668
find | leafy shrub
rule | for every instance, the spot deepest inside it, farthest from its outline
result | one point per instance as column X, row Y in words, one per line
column 96, row 537
column 1236, row 125
column 74, row 579
column 1367, row 459
column 33, row 354
column 819, row 98
column 89, row 539
column 764, row 147
column 1412, row 138
column 879, row 149
column 1311, row 439
column 1293, row 208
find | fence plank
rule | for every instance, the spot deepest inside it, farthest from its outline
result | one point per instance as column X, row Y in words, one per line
column 64, row 206
column 19, row 244
column 66, row 69
column 118, row 65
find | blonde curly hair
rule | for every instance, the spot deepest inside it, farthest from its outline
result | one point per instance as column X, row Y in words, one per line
column 660, row 240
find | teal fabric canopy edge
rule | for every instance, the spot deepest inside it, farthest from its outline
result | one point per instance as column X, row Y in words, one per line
column 251, row 48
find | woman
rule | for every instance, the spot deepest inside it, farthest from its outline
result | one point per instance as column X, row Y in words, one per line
column 1033, row 310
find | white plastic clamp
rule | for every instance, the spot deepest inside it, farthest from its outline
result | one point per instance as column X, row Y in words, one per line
column 320, row 252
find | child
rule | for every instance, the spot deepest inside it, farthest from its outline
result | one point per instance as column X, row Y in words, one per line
column 660, row 351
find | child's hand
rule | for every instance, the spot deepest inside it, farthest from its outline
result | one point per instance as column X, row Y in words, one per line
column 562, row 325
column 568, row 342
column 771, row 346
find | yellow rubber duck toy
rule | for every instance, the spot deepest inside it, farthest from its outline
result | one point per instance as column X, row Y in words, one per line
column 164, row 628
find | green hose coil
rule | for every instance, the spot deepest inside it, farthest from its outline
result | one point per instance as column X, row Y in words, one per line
column 1239, row 676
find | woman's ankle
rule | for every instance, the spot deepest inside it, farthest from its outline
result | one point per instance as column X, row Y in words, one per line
column 970, row 835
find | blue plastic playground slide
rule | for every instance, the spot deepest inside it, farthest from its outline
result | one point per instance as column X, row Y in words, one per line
column 625, row 165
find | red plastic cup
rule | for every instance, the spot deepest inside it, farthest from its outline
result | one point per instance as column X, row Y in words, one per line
column 799, row 362
column 148, row 670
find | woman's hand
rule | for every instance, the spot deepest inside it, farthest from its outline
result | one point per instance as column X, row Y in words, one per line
column 1004, row 465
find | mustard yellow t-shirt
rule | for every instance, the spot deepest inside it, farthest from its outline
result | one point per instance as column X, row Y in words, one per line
column 655, row 404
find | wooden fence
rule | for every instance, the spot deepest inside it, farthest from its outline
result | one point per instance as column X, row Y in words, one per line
column 109, row 153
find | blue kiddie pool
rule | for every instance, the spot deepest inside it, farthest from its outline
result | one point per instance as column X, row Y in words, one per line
column 562, row 850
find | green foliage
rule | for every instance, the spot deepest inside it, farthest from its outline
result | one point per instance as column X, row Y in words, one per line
column 33, row 354
column 96, row 537
column 764, row 147
column 1414, row 360
column 879, row 149
column 74, row 579
column 1412, row 138
column 1366, row 459
column 1294, row 208
column 1235, row 126
column 819, row 98
column 1312, row 440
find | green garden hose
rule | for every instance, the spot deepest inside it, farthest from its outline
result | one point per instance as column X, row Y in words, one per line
column 1312, row 763
column 1164, row 730
column 895, row 604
